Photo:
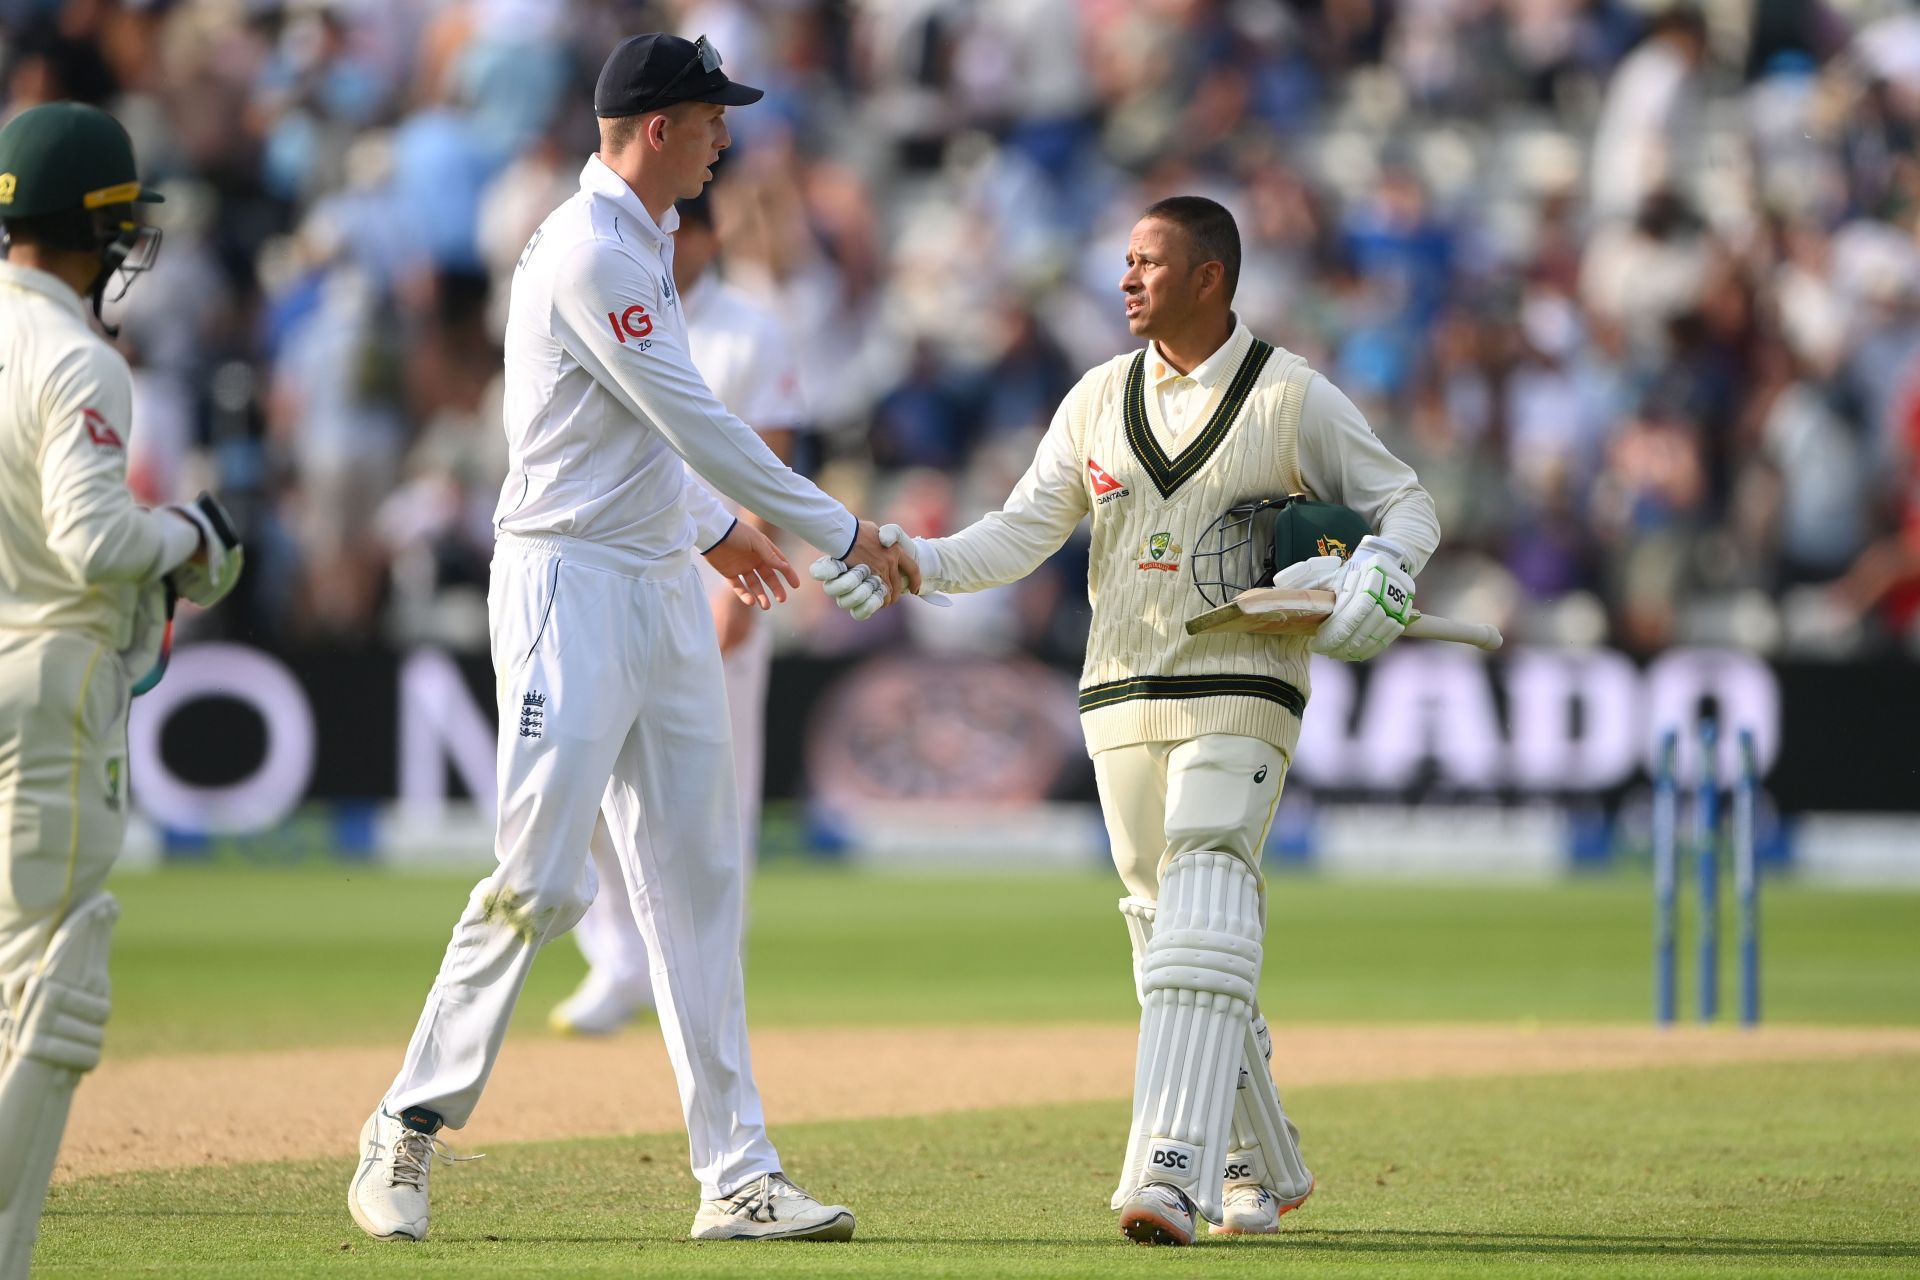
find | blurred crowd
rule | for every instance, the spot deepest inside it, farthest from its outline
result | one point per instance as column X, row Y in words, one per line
column 1634, row 286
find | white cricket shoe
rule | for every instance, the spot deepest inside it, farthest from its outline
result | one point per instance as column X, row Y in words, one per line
column 1249, row 1209
column 388, row 1194
column 600, row 1006
column 1157, row 1214
column 771, row 1208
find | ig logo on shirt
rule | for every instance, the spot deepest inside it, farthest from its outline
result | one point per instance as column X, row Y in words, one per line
column 634, row 323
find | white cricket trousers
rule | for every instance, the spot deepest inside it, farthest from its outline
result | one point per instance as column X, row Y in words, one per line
column 63, row 787
column 608, row 935
column 1213, row 793
column 63, row 797
column 608, row 679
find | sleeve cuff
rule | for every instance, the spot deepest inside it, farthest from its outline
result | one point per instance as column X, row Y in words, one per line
column 179, row 539
column 724, row 535
column 1393, row 549
column 851, row 541
column 929, row 557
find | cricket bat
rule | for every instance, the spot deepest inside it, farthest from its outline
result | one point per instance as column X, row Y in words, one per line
column 1279, row 611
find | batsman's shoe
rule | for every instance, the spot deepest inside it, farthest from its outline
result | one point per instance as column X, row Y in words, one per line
column 1157, row 1214
column 599, row 1006
column 1249, row 1209
column 388, row 1194
column 771, row 1208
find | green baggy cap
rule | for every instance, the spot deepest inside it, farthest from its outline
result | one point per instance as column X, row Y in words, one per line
column 1305, row 528
column 66, row 157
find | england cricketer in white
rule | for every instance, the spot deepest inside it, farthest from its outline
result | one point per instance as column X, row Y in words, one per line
column 1191, row 736
column 746, row 357
column 86, row 580
column 607, row 672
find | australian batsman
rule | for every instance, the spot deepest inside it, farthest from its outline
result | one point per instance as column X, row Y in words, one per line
column 86, row 582
column 1191, row 736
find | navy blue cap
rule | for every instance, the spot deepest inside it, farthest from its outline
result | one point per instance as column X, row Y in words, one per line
column 647, row 72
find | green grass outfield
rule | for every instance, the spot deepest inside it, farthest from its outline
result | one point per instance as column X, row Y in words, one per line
column 228, row 959
column 1748, row 1170
column 1804, row 1170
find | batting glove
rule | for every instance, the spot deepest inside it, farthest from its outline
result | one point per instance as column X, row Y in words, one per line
column 207, row 584
column 1316, row 573
column 862, row 594
column 145, row 655
column 1373, row 605
column 921, row 551
column 855, row 589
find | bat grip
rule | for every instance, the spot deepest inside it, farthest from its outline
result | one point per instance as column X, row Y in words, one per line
column 1480, row 635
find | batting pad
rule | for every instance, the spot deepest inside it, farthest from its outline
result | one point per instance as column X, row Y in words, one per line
column 51, row 1038
column 1266, row 1144
column 1198, row 979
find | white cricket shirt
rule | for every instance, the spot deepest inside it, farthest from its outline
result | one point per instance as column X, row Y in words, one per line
column 744, row 354
column 75, row 548
column 603, row 401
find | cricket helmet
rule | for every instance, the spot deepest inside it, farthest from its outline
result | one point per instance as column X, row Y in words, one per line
column 1252, row 541
column 67, row 174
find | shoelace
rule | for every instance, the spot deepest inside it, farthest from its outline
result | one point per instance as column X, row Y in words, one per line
column 755, row 1200
column 413, row 1155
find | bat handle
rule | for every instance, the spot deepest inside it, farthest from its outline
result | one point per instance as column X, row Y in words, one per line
column 1480, row 635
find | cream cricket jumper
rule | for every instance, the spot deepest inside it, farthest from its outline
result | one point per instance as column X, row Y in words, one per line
column 1253, row 421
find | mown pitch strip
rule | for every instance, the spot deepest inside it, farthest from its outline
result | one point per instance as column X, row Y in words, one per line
column 173, row 1110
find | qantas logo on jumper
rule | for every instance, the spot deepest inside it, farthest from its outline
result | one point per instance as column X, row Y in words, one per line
column 1105, row 487
column 633, row 324
column 100, row 431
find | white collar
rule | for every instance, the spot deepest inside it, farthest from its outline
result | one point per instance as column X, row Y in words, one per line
column 43, row 282
column 600, row 180
column 1214, row 369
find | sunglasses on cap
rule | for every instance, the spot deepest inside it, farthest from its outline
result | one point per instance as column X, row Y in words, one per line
column 705, row 56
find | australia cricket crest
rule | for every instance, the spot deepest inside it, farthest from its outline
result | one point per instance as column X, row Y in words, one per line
column 1160, row 551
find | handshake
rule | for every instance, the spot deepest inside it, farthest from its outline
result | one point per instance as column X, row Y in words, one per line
column 882, row 564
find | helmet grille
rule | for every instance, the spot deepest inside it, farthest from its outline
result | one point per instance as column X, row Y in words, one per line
column 1236, row 553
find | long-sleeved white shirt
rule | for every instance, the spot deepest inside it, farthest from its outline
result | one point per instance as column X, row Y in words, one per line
column 1341, row 460
column 603, row 402
column 75, row 548
column 745, row 356
column 744, row 353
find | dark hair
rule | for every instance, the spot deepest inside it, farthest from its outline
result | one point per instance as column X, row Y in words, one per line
column 1210, row 231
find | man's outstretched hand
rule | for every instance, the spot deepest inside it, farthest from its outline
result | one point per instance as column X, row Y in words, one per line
column 752, row 566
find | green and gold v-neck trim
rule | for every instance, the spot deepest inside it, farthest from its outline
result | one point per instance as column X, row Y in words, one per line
column 1168, row 474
